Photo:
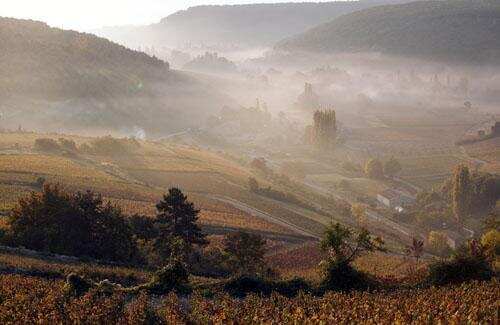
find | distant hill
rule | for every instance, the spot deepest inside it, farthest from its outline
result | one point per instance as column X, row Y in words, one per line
column 63, row 79
column 466, row 31
column 246, row 25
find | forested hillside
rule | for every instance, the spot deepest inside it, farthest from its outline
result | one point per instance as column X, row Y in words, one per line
column 70, row 79
column 445, row 30
column 245, row 25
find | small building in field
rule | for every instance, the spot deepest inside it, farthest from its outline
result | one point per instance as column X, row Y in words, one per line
column 395, row 199
column 389, row 198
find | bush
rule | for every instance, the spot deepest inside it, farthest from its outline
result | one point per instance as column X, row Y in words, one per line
column 468, row 263
column 109, row 146
column 46, row 145
column 173, row 277
column 68, row 145
column 292, row 287
column 344, row 277
column 243, row 285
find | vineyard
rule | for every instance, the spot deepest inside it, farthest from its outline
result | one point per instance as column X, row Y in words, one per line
column 33, row 300
column 136, row 180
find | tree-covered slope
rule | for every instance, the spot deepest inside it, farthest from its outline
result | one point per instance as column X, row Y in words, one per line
column 464, row 30
column 245, row 25
column 51, row 77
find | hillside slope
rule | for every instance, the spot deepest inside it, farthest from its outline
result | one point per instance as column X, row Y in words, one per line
column 70, row 80
column 445, row 30
column 245, row 25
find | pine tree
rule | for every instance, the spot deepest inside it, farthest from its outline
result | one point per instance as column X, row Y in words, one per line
column 461, row 192
column 177, row 218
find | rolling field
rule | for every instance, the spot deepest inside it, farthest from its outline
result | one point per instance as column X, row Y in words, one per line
column 488, row 152
column 136, row 180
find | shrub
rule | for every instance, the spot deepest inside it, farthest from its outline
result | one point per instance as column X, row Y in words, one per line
column 341, row 276
column 243, row 285
column 76, row 285
column 109, row 146
column 46, row 145
column 68, row 145
column 292, row 287
column 491, row 243
column 468, row 263
column 172, row 277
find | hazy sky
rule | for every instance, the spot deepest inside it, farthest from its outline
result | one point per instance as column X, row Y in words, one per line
column 88, row 14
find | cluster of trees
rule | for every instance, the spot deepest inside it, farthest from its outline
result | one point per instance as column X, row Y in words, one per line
column 68, row 64
column 102, row 146
column 376, row 169
column 471, row 193
column 78, row 224
column 250, row 119
column 211, row 62
column 83, row 225
column 355, row 32
column 323, row 133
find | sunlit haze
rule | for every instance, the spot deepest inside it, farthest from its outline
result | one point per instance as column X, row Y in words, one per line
column 89, row 14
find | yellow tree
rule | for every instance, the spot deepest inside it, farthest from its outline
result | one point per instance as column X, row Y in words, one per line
column 358, row 211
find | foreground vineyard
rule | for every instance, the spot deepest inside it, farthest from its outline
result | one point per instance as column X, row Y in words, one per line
column 31, row 300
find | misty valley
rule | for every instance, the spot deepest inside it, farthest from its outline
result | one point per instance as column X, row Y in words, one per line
column 332, row 163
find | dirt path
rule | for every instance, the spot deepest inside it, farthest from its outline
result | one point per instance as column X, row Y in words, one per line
column 263, row 215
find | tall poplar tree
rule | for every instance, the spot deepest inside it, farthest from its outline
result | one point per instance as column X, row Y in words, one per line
column 461, row 192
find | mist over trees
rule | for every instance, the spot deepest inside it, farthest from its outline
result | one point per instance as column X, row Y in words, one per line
column 254, row 25
column 460, row 31
column 93, row 84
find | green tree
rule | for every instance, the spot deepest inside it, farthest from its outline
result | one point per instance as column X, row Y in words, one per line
column 177, row 220
column 392, row 167
column 374, row 169
column 245, row 252
column 461, row 192
column 343, row 246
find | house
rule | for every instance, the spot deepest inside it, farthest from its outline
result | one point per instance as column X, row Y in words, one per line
column 389, row 198
column 395, row 199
